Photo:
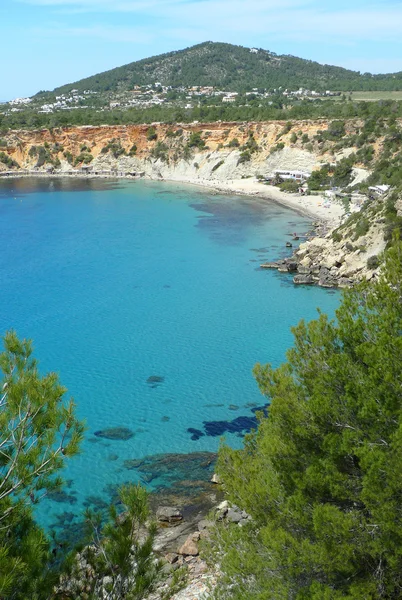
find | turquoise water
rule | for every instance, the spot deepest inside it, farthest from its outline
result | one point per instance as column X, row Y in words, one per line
column 148, row 301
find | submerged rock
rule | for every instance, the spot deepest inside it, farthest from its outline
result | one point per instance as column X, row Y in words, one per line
column 155, row 380
column 115, row 433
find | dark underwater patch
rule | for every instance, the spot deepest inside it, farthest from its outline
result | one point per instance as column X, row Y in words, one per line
column 239, row 426
column 115, row 433
column 155, row 381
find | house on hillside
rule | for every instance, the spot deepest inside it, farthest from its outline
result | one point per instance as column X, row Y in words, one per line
column 378, row 190
column 294, row 175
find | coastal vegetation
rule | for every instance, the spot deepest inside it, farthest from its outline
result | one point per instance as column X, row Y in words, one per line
column 273, row 108
column 320, row 476
column 39, row 431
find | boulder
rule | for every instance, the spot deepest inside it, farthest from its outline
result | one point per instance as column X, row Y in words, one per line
column 306, row 261
column 190, row 547
column 303, row 270
column 168, row 514
column 234, row 515
column 215, row 479
column 303, row 279
column 292, row 266
column 205, row 524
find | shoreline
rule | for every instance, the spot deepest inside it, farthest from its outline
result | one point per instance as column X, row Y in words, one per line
column 313, row 206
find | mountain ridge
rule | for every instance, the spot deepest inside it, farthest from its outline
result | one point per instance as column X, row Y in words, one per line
column 233, row 67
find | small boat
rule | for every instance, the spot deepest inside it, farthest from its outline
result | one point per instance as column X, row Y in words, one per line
column 289, row 245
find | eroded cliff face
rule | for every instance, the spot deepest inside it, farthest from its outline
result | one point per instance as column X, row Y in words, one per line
column 215, row 151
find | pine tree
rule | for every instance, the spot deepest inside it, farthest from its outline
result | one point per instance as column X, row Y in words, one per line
column 321, row 476
column 38, row 432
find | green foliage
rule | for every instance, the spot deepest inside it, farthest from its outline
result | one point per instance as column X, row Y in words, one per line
column 285, row 130
column 362, row 227
column 38, row 432
column 115, row 148
column 195, row 140
column 293, row 138
column 43, row 155
column 305, row 138
column 178, row 582
column 83, row 158
column 290, row 186
column 277, row 147
column 365, row 155
column 244, row 157
column 334, row 176
column 151, row 134
column 133, row 150
column 269, row 110
column 373, row 262
column 122, row 550
column 7, row 160
column 251, row 145
column 321, row 475
column 218, row 164
column 160, row 151
column 234, row 143
column 228, row 66
column 69, row 157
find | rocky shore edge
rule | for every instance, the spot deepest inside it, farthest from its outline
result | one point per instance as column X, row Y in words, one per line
column 185, row 575
column 338, row 258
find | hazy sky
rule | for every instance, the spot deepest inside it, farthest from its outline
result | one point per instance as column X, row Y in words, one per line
column 46, row 43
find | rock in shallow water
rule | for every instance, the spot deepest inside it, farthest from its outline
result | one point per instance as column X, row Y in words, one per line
column 115, row 433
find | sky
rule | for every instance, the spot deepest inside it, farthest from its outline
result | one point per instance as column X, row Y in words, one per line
column 47, row 43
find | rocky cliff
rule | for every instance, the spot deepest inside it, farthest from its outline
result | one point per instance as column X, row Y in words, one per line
column 217, row 151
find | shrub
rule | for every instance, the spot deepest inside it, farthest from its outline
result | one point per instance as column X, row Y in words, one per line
column 195, row 140
column 218, row 164
column 234, row 143
column 114, row 147
column 373, row 262
column 151, row 134
column 133, row 150
column 69, row 157
column 244, row 157
column 285, row 130
column 276, row 148
column 160, row 151
column 7, row 160
column 251, row 145
column 362, row 227
column 83, row 157
column 290, row 186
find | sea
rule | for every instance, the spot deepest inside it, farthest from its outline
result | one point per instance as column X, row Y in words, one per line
column 147, row 298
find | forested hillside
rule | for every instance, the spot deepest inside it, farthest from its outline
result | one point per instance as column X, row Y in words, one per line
column 235, row 68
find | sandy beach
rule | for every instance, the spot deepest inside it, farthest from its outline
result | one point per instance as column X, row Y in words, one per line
column 317, row 207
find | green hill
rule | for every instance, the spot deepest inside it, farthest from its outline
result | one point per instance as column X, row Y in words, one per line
column 235, row 68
